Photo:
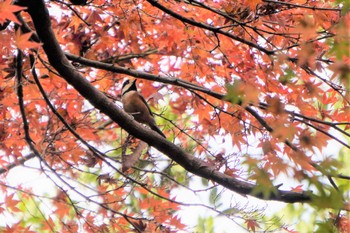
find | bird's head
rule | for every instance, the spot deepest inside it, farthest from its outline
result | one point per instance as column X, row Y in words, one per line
column 129, row 85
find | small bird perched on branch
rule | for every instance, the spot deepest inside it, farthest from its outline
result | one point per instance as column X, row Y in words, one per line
column 136, row 105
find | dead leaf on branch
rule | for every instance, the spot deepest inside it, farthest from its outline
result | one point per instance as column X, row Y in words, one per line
column 90, row 160
column 106, row 178
column 129, row 160
column 139, row 225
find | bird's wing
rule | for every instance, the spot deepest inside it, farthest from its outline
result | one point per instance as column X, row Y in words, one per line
column 144, row 101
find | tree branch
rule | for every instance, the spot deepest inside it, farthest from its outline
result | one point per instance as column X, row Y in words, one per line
column 208, row 27
column 291, row 5
column 19, row 161
column 143, row 75
column 41, row 20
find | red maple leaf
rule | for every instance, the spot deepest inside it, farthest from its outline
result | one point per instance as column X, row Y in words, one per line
column 7, row 11
column 23, row 41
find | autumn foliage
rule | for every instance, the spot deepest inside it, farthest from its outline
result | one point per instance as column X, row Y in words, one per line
column 253, row 97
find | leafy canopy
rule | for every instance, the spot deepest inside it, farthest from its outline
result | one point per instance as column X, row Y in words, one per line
column 253, row 96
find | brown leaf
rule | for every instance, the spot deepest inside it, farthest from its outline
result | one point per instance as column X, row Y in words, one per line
column 140, row 226
column 89, row 160
column 130, row 160
column 106, row 178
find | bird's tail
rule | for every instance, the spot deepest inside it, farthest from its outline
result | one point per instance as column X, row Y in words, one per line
column 155, row 128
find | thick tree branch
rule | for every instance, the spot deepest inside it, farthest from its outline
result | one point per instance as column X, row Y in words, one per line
column 57, row 59
column 94, row 150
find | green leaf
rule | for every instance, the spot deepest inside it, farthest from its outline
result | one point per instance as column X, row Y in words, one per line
column 231, row 211
column 205, row 225
column 286, row 78
column 234, row 94
column 213, row 196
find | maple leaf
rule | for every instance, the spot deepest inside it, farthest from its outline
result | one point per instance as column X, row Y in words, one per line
column 48, row 224
column 7, row 11
column 139, row 225
column 256, row 63
column 251, row 224
column 23, row 41
column 253, row 3
column 297, row 189
column 176, row 221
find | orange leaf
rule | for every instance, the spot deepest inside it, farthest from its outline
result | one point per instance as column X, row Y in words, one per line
column 11, row 203
column 48, row 224
column 23, row 41
column 297, row 189
column 253, row 3
column 7, row 11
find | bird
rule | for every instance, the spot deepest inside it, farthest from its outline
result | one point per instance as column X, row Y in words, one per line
column 134, row 104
